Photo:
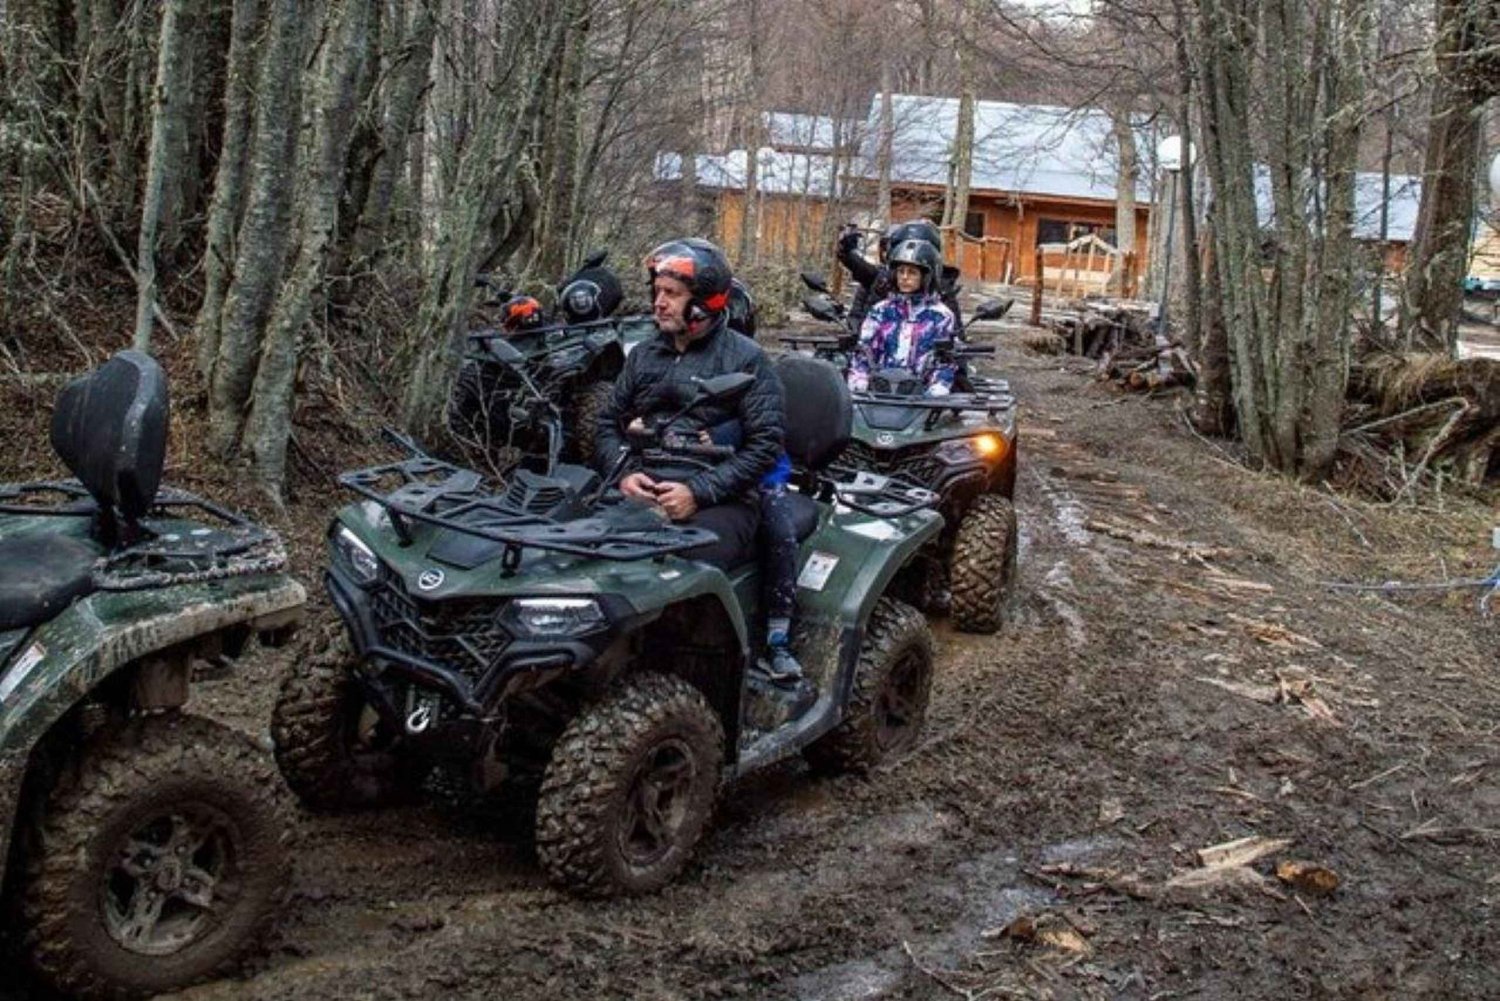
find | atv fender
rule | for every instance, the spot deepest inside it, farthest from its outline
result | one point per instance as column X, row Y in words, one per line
column 846, row 566
column 105, row 634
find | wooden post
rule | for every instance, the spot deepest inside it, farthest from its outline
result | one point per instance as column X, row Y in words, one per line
column 1036, row 291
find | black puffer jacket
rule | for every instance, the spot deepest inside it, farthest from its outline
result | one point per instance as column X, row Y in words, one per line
column 877, row 282
column 657, row 380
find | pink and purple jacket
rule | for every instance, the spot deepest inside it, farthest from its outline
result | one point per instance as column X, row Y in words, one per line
column 901, row 331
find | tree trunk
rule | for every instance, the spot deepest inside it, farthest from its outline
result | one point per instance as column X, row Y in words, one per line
column 956, row 196
column 1125, row 185
column 229, row 179
column 269, row 425
column 406, row 87
column 885, row 142
column 164, row 163
column 490, row 162
column 259, row 264
column 1440, row 245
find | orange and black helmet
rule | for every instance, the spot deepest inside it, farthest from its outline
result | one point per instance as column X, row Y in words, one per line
column 699, row 265
column 521, row 312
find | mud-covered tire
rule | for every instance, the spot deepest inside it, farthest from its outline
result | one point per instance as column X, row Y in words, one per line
column 651, row 736
column 331, row 748
column 587, row 406
column 892, row 685
column 94, row 873
column 983, row 565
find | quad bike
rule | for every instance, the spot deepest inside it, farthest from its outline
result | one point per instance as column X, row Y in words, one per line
column 145, row 846
column 551, row 638
column 571, row 360
column 962, row 446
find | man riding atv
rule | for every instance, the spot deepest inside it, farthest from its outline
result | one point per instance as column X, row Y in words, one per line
column 878, row 281
column 693, row 300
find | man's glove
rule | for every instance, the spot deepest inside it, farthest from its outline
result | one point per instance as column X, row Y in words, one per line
column 849, row 241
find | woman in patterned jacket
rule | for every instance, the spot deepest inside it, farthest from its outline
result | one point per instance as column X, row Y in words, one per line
column 904, row 329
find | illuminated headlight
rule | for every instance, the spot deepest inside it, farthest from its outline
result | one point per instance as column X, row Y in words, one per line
column 554, row 616
column 357, row 556
column 987, row 446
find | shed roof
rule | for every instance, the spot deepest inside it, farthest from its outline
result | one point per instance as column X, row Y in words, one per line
column 777, row 172
column 1028, row 149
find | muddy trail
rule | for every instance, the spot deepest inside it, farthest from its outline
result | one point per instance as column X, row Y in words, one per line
column 1178, row 676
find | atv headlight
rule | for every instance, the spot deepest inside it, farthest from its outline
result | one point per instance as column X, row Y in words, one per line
column 358, row 557
column 554, row 616
column 987, row 447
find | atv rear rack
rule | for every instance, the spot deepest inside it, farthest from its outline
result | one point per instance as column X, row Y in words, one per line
column 164, row 554
column 436, row 493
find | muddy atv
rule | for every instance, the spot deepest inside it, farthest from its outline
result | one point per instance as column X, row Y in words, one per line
column 551, row 638
column 145, row 846
column 571, row 360
column 962, row 446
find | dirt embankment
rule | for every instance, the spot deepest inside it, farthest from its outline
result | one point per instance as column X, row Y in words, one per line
column 1180, row 677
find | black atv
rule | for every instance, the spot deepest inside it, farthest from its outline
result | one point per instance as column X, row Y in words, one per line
column 570, row 360
column 962, row 446
column 549, row 642
column 150, row 844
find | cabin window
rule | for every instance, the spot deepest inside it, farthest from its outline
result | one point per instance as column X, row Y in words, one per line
column 974, row 224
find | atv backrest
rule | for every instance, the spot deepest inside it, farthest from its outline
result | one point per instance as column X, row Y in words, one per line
column 819, row 414
column 110, row 428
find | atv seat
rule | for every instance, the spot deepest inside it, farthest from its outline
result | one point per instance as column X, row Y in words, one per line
column 819, row 421
column 48, row 573
column 110, row 428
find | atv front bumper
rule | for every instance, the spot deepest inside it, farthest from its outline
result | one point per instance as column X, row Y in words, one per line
column 461, row 648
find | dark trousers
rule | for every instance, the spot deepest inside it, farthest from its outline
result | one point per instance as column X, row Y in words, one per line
column 734, row 523
column 779, row 546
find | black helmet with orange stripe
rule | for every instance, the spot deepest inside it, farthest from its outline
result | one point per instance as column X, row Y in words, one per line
column 699, row 265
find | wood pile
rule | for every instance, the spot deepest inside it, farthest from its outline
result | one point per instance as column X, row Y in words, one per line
column 1421, row 421
column 1122, row 337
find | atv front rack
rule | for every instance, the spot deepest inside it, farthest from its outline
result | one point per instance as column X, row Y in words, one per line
column 997, row 401
column 437, row 493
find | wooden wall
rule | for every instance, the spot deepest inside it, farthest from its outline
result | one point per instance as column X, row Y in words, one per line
column 790, row 225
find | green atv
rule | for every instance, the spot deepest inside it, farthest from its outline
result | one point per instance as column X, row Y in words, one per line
column 145, row 846
column 570, row 361
column 961, row 446
column 549, row 642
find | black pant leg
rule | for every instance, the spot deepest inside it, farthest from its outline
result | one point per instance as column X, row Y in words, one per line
column 779, row 553
column 735, row 524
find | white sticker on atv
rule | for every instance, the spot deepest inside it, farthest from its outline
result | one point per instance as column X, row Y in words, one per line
column 880, row 531
column 816, row 571
column 31, row 658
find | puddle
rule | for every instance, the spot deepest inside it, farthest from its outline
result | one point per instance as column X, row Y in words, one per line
column 860, row 980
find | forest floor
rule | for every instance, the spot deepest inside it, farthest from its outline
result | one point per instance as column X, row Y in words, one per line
column 1179, row 676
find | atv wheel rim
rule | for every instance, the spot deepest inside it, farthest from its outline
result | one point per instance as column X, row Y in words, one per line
column 172, row 881
column 657, row 803
column 899, row 707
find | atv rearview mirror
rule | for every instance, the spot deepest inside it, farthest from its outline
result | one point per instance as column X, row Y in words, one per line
column 820, row 307
column 815, row 281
